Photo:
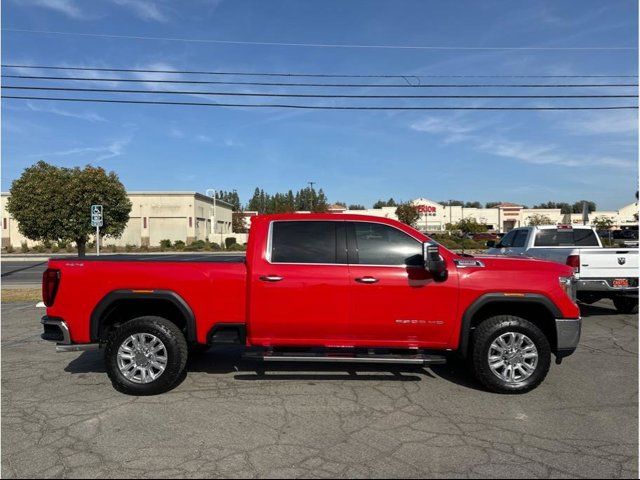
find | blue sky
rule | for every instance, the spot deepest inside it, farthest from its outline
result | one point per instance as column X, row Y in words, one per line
column 355, row 156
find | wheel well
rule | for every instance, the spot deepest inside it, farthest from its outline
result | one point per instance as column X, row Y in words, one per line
column 122, row 310
column 535, row 312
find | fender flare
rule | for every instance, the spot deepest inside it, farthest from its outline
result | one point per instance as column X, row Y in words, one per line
column 499, row 297
column 111, row 298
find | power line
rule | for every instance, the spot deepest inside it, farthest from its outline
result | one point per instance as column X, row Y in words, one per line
column 323, row 45
column 297, row 95
column 341, row 85
column 311, row 107
column 308, row 75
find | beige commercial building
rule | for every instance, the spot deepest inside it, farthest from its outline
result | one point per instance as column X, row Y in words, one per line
column 154, row 216
column 504, row 217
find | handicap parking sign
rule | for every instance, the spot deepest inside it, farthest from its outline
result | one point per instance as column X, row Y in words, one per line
column 96, row 215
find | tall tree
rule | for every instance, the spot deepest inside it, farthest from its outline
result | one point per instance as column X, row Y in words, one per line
column 53, row 204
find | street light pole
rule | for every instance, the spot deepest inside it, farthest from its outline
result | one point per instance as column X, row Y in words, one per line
column 213, row 217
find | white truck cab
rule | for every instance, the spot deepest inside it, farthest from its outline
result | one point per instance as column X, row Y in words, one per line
column 602, row 272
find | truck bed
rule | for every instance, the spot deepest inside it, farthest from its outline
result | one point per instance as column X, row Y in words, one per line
column 180, row 257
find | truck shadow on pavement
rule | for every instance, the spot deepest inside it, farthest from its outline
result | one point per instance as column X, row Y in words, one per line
column 597, row 309
column 229, row 360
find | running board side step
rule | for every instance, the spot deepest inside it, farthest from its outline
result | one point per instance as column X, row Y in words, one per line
column 423, row 360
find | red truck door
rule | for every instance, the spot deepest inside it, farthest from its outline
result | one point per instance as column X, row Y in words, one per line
column 300, row 286
column 394, row 300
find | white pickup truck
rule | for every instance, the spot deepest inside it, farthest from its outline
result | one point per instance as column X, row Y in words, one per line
column 601, row 272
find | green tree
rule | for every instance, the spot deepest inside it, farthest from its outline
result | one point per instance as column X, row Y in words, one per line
column 407, row 213
column 539, row 219
column 53, row 204
column 473, row 205
column 356, row 206
column 492, row 204
column 577, row 207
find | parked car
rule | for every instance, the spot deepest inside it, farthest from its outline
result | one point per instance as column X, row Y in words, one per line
column 316, row 287
column 603, row 272
column 486, row 237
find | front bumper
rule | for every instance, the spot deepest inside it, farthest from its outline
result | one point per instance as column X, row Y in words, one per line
column 56, row 330
column 568, row 332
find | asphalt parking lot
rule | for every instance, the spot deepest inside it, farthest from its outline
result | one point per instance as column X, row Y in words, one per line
column 232, row 418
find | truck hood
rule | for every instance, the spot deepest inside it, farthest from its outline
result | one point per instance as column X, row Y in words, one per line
column 517, row 262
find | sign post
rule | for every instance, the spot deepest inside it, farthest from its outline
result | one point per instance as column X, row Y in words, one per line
column 96, row 221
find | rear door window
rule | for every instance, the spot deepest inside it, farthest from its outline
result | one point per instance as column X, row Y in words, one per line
column 507, row 240
column 306, row 242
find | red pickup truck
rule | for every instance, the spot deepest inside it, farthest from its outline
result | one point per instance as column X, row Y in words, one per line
column 316, row 287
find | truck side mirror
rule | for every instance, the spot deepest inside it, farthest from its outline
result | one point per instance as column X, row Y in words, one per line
column 491, row 244
column 433, row 261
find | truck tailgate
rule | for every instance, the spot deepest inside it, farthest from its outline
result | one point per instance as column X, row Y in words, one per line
column 608, row 263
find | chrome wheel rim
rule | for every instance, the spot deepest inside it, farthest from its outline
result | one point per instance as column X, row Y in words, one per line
column 513, row 357
column 142, row 358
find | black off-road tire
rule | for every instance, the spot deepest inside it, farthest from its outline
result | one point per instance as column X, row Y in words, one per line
column 492, row 328
column 626, row 305
column 177, row 353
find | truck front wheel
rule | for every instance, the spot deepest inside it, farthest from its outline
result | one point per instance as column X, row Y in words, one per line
column 510, row 354
column 146, row 356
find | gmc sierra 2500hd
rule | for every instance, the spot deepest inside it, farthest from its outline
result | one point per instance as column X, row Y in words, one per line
column 316, row 287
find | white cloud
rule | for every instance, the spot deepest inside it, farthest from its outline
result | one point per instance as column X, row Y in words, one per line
column 88, row 116
column 143, row 9
column 456, row 129
column 66, row 7
column 623, row 122
column 95, row 154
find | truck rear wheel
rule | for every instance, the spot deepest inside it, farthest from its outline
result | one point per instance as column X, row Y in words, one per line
column 626, row 305
column 146, row 356
column 510, row 354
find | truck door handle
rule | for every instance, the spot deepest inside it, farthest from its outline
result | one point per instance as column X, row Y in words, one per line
column 271, row 278
column 367, row 280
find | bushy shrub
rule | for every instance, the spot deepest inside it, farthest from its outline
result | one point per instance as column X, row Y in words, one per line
column 215, row 246
column 112, row 248
column 62, row 243
column 229, row 241
column 69, row 248
column 55, row 248
column 47, row 244
column 10, row 248
column 165, row 244
column 24, row 247
column 179, row 245
column 39, row 248
column 196, row 245
column 128, row 247
column 236, row 247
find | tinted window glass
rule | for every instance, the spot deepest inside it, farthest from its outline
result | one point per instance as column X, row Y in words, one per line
column 304, row 242
column 585, row 238
column 384, row 245
column 520, row 239
column 566, row 238
column 507, row 240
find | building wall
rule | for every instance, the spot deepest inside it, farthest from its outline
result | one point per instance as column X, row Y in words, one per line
column 434, row 216
column 154, row 216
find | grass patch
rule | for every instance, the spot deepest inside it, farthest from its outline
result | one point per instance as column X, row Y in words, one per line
column 21, row 295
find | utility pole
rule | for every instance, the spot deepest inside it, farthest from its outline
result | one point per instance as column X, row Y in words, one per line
column 311, row 196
